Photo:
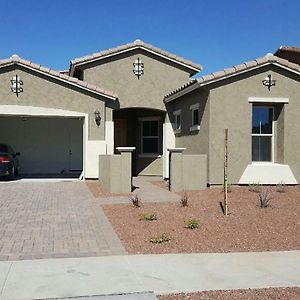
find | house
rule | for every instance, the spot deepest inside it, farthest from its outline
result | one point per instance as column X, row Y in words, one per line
column 49, row 116
column 258, row 102
column 140, row 97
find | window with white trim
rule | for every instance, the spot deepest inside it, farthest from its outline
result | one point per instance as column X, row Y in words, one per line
column 195, row 117
column 177, row 118
column 262, row 133
column 150, row 136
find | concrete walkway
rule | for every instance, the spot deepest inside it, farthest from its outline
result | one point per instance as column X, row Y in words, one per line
column 150, row 192
column 168, row 273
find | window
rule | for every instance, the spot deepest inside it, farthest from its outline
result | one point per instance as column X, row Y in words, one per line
column 195, row 117
column 177, row 117
column 262, row 133
column 150, row 136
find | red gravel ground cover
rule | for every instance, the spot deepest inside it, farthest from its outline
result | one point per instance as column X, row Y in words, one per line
column 247, row 228
column 98, row 190
column 250, row 294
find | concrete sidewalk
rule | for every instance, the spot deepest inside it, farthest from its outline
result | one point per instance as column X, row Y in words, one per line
column 168, row 273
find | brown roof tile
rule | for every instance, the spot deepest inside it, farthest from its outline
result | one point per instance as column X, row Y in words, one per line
column 15, row 59
column 235, row 70
column 136, row 44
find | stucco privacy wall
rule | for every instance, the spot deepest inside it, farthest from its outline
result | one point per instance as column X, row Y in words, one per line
column 42, row 91
column 116, row 73
column 230, row 108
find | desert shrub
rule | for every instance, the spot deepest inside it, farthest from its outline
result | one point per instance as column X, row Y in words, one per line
column 264, row 198
column 255, row 187
column 184, row 200
column 135, row 200
column 148, row 217
column 192, row 224
column 281, row 187
column 162, row 238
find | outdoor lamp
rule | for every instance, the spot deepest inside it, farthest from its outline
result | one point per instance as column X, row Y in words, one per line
column 269, row 81
column 97, row 117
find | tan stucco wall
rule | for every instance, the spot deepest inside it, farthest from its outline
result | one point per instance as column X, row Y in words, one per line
column 195, row 142
column 116, row 74
column 42, row 91
column 229, row 108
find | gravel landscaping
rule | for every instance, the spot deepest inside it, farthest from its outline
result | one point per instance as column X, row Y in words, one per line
column 248, row 227
column 249, row 294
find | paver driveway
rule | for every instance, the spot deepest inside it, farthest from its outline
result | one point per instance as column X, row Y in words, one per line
column 50, row 220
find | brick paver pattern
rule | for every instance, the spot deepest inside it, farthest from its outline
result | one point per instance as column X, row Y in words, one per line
column 53, row 220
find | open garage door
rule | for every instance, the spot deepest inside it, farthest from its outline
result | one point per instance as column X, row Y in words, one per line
column 49, row 146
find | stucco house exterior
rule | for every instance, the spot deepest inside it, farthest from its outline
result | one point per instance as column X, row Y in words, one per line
column 140, row 96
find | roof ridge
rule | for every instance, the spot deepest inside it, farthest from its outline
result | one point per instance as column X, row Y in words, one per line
column 15, row 59
column 128, row 46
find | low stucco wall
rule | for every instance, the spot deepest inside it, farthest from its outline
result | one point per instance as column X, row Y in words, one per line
column 188, row 172
column 115, row 172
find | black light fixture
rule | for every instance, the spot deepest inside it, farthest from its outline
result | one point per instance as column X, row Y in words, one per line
column 268, row 82
column 97, row 117
column 138, row 68
column 16, row 84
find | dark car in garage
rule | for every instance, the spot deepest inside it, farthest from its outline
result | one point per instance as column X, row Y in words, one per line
column 9, row 163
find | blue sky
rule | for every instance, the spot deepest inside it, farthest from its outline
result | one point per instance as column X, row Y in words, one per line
column 216, row 34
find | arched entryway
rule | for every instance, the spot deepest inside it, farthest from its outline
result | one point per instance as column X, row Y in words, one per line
column 141, row 128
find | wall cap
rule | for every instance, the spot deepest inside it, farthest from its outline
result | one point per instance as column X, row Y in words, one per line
column 125, row 149
column 176, row 150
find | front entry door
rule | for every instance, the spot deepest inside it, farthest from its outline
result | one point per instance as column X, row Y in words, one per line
column 120, row 135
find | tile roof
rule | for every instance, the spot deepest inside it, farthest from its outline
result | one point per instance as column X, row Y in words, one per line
column 235, row 70
column 136, row 44
column 15, row 59
column 287, row 49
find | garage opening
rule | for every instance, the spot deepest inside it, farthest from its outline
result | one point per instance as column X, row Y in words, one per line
column 49, row 147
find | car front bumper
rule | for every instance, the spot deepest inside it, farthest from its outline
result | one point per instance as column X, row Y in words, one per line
column 5, row 169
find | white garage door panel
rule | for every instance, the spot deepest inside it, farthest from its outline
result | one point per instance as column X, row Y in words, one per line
column 45, row 144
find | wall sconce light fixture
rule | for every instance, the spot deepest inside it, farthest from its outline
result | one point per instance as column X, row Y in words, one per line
column 97, row 117
column 16, row 85
column 269, row 81
column 138, row 70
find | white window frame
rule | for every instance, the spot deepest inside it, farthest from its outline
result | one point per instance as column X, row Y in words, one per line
column 265, row 134
column 193, row 108
column 177, row 127
column 142, row 154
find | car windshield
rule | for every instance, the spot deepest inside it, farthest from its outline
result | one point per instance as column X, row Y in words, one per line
column 3, row 148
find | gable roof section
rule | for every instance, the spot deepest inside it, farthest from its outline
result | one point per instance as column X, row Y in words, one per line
column 230, row 72
column 137, row 44
column 16, row 60
column 290, row 53
column 287, row 49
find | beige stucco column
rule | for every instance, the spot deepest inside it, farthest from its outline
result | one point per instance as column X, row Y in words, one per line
column 126, row 168
column 176, row 169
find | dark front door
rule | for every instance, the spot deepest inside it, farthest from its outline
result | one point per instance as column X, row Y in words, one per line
column 120, row 133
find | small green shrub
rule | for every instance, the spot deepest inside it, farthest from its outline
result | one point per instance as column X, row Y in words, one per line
column 135, row 200
column 281, row 187
column 264, row 198
column 148, row 217
column 184, row 201
column 192, row 224
column 159, row 239
column 255, row 187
